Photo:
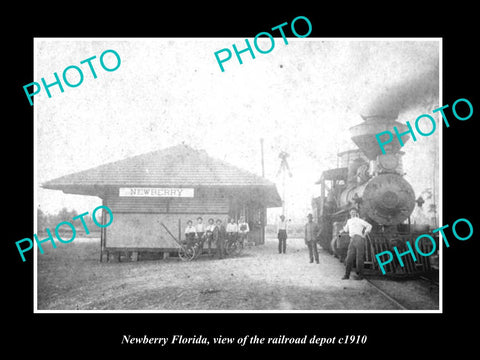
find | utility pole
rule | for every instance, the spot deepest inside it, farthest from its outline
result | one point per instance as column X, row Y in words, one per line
column 261, row 152
column 284, row 168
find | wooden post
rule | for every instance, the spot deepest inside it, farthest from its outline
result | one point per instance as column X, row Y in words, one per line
column 261, row 151
column 322, row 197
column 102, row 234
column 263, row 223
column 179, row 230
column 134, row 255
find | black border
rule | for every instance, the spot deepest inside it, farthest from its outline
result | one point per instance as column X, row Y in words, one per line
column 388, row 334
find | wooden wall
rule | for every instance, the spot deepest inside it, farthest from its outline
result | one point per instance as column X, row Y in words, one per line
column 145, row 231
column 164, row 205
column 138, row 221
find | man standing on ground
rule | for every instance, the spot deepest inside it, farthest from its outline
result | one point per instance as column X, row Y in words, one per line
column 243, row 230
column 357, row 229
column 232, row 232
column 312, row 230
column 219, row 235
column 282, row 235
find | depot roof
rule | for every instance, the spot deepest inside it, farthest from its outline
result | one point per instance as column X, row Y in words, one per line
column 176, row 166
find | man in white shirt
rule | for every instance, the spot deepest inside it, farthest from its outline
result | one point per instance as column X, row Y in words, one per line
column 357, row 229
column 312, row 232
column 232, row 226
column 232, row 231
column 200, row 228
column 209, row 234
column 282, row 235
column 190, row 233
column 243, row 230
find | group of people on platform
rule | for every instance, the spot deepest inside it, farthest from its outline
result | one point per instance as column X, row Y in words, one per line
column 356, row 228
column 218, row 233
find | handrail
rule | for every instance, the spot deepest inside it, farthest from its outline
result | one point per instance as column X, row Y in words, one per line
column 168, row 231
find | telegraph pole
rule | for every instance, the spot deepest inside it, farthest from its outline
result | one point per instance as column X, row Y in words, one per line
column 283, row 168
column 261, row 152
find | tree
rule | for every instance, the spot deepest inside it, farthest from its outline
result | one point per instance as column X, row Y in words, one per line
column 65, row 215
column 42, row 220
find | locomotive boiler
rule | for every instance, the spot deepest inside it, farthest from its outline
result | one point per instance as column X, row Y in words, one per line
column 373, row 183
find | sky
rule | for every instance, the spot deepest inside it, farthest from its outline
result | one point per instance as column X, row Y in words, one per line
column 300, row 98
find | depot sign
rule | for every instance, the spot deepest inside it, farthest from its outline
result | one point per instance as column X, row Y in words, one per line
column 156, row 192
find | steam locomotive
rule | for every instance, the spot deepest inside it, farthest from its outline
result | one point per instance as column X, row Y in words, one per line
column 373, row 183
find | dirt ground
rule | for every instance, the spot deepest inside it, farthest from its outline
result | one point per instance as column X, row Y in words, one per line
column 71, row 277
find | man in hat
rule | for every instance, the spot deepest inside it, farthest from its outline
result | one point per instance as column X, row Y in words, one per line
column 312, row 230
column 243, row 230
column 219, row 235
column 418, row 215
column 357, row 230
column 209, row 234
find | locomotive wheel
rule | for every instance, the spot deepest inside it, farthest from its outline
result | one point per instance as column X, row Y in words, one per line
column 186, row 253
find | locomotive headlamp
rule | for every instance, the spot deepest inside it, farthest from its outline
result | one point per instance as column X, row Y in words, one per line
column 388, row 161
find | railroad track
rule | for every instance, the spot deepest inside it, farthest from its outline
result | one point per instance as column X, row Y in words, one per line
column 391, row 299
column 400, row 304
column 430, row 281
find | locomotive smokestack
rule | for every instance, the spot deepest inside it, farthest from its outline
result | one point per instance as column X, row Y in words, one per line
column 363, row 135
column 381, row 114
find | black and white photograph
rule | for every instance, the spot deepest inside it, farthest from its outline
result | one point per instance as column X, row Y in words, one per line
column 262, row 187
column 209, row 181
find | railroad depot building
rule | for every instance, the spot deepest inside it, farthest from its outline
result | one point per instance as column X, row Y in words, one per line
column 153, row 195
